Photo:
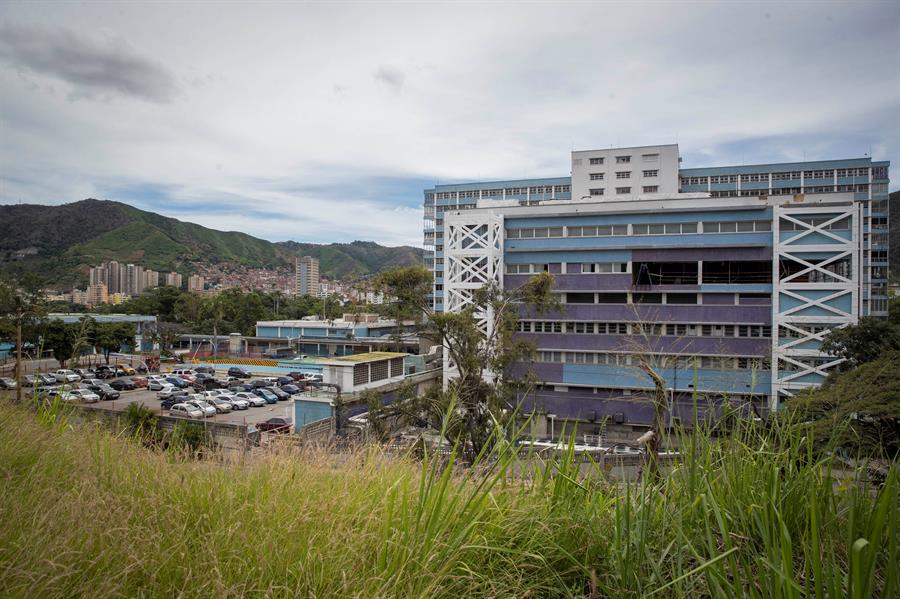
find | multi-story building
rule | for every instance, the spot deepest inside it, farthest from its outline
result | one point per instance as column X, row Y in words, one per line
column 173, row 279
column 196, row 283
column 97, row 294
column 116, row 276
column 151, row 279
column 307, row 276
column 724, row 280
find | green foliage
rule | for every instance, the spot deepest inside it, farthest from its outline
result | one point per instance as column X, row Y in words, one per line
column 142, row 422
column 857, row 411
column 742, row 518
column 863, row 342
column 190, row 437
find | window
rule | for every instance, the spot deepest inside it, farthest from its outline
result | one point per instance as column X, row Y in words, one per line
column 647, row 298
column 653, row 173
column 623, row 159
column 681, row 298
column 579, row 298
column 612, row 298
column 664, row 229
column 733, row 227
column 623, row 190
column 651, row 188
column 650, row 157
column 623, row 174
column 604, row 267
column 534, row 233
column 596, row 160
column 561, row 188
column 526, row 269
column 596, row 176
column 597, row 191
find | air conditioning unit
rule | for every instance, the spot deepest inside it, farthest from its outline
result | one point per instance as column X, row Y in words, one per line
column 619, row 418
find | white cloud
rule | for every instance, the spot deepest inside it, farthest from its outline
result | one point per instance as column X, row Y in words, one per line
column 278, row 101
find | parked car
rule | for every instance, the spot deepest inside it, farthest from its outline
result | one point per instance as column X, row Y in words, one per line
column 208, row 410
column 241, row 387
column 254, row 400
column 84, row 373
column 167, row 404
column 80, row 395
column 207, row 384
column 178, row 382
column 105, row 372
column 157, row 385
column 140, row 382
column 64, row 375
column 186, row 411
column 275, row 425
column 125, row 370
column 104, row 391
column 205, row 370
column 281, row 395
column 125, row 384
column 7, row 383
column 222, row 406
column 47, row 379
column 283, row 380
column 267, row 395
column 239, row 373
column 236, row 402
column 291, row 389
column 171, row 391
column 31, row 380
column 260, row 383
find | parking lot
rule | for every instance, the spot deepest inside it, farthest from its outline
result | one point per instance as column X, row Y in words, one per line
column 253, row 415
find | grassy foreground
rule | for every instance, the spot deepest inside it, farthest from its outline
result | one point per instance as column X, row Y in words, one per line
column 86, row 514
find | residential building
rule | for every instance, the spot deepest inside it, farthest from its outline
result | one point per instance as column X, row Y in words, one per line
column 97, row 294
column 307, row 276
column 151, row 279
column 173, row 279
column 196, row 283
column 723, row 279
column 134, row 279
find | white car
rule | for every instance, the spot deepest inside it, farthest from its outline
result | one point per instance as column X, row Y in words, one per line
column 208, row 410
column 66, row 376
column 80, row 395
column 186, row 411
column 222, row 406
column 236, row 402
column 254, row 400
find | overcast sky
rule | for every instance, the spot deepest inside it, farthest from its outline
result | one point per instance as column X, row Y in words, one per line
column 324, row 122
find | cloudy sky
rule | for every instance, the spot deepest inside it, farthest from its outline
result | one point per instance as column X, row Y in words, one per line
column 324, row 121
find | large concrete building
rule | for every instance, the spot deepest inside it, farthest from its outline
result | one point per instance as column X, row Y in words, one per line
column 725, row 278
column 307, row 276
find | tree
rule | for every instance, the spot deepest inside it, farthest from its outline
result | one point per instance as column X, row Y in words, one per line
column 61, row 339
column 863, row 342
column 857, row 411
column 21, row 301
column 109, row 337
column 166, row 335
column 480, row 343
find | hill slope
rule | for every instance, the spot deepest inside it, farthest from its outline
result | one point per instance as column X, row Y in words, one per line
column 61, row 242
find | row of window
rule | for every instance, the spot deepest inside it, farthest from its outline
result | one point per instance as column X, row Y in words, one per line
column 487, row 193
column 777, row 191
column 838, row 225
column 640, row 229
column 644, row 329
column 583, row 297
column 625, row 159
column 781, row 176
column 664, row 361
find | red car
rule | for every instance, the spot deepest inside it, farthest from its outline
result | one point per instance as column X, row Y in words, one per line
column 275, row 425
column 140, row 381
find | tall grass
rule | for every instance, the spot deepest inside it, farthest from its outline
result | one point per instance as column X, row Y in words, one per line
column 87, row 514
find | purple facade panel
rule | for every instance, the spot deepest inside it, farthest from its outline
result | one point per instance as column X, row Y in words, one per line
column 718, row 299
column 578, row 404
column 707, row 346
column 587, row 282
column 756, row 301
column 659, row 313
column 698, row 254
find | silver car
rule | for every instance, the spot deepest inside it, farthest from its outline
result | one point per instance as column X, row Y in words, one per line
column 208, row 410
column 254, row 400
column 186, row 411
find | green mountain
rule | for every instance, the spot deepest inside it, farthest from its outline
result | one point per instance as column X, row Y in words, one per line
column 62, row 242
